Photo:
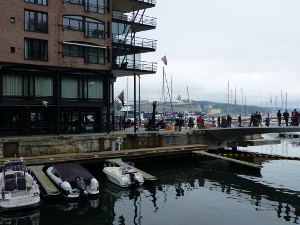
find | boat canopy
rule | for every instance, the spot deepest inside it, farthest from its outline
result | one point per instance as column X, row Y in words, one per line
column 69, row 172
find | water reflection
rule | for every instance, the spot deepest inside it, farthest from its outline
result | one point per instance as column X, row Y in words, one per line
column 28, row 217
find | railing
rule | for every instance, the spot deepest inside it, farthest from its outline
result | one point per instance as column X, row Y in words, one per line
column 137, row 65
column 140, row 19
column 138, row 42
column 148, row 1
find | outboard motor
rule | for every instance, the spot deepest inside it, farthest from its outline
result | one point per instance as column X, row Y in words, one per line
column 80, row 184
column 133, row 179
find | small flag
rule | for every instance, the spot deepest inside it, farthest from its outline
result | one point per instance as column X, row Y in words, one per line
column 271, row 100
column 121, row 97
column 164, row 59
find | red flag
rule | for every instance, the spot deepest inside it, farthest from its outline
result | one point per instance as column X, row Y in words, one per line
column 164, row 59
column 121, row 97
column 271, row 100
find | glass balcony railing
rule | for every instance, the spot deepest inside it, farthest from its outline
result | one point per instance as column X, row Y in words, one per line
column 137, row 65
column 139, row 19
column 137, row 42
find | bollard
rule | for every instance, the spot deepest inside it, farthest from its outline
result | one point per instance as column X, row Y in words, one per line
column 113, row 146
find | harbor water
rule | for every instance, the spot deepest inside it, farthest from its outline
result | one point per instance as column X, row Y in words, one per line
column 188, row 191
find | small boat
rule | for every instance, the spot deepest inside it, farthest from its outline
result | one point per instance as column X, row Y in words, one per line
column 19, row 189
column 73, row 180
column 123, row 175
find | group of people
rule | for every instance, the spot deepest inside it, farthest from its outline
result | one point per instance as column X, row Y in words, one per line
column 294, row 118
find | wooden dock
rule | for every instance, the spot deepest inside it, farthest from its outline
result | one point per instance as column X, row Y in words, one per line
column 46, row 183
column 252, row 165
column 119, row 162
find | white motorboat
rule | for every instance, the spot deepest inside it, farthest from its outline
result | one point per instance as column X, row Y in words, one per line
column 19, row 189
column 73, row 180
column 124, row 175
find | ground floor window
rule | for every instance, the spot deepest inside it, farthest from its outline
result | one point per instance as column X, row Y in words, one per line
column 14, row 85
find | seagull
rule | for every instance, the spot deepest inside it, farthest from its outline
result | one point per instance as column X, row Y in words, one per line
column 45, row 103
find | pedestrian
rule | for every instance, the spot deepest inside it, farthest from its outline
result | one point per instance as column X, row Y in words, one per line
column 279, row 117
column 252, row 119
column 199, row 122
column 286, row 117
column 296, row 118
column 240, row 121
column 219, row 121
column 268, row 120
column 229, row 120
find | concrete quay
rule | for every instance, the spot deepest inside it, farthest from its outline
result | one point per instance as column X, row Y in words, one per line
column 104, row 155
column 75, row 147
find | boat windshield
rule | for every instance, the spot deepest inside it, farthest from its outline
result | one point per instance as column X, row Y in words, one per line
column 14, row 166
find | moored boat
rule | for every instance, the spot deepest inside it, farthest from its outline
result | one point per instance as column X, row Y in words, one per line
column 123, row 175
column 73, row 180
column 18, row 187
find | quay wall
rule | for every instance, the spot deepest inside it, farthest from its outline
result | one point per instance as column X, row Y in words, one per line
column 50, row 145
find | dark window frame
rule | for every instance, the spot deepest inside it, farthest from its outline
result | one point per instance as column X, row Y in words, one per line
column 32, row 23
column 35, row 49
column 39, row 2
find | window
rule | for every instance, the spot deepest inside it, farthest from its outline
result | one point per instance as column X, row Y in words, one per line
column 94, row 55
column 78, row 2
column 36, row 49
column 36, row 21
column 73, row 22
column 94, row 28
column 43, row 86
column 91, row 54
column 69, row 87
column 40, row 2
column 14, row 85
column 12, row 49
column 12, row 19
column 93, row 88
column 94, row 6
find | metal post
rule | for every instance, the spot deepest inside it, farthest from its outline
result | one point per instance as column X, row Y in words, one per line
column 134, row 100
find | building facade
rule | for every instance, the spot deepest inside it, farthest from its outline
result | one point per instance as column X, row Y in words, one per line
column 59, row 60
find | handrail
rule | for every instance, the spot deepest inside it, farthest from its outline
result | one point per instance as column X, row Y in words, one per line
column 137, row 41
column 138, row 65
column 139, row 19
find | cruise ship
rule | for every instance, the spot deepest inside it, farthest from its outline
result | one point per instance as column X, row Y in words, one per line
column 176, row 106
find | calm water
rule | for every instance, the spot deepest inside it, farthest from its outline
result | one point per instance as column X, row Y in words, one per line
column 189, row 191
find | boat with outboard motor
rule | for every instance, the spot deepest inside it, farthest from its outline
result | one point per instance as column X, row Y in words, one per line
column 123, row 175
column 18, row 187
column 73, row 180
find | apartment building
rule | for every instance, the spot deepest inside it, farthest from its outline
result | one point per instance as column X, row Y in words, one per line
column 59, row 60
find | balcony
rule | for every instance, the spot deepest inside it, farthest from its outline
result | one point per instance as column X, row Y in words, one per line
column 132, row 5
column 129, row 67
column 145, row 44
column 141, row 22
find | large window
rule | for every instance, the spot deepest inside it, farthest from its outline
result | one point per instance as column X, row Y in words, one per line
column 91, row 27
column 40, row 2
column 94, row 28
column 14, row 85
column 43, row 86
column 36, row 49
column 94, row 55
column 36, row 21
column 82, row 88
column 91, row 54
column 94, row 89
column 96, row 6
column 17, row 85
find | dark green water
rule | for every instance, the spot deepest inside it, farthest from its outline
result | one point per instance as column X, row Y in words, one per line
column 188, row 191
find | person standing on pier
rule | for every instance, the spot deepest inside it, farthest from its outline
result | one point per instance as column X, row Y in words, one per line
column 279, row 117
column 286, row 117
column 240, row 121
column 268, row 120
column 296, row 118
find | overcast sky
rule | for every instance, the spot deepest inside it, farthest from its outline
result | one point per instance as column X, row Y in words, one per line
column 252, row 44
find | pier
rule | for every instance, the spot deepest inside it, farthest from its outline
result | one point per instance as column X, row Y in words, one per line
column 44, row 181
column 244, row 163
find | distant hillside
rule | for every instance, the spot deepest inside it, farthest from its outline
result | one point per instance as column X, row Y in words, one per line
column 238, row 109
